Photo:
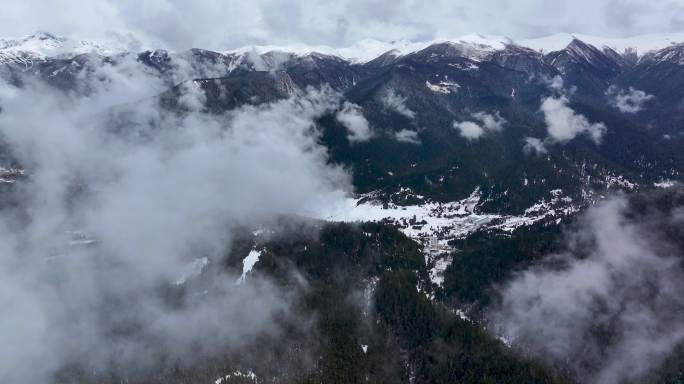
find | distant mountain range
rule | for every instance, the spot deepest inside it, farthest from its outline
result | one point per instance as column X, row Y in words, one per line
column 512, row 122
column 44, row 44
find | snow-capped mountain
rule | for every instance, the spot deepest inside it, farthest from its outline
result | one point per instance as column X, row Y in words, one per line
column 369, row 49
column 43, row 44
column 416, row 97
column 641, row 44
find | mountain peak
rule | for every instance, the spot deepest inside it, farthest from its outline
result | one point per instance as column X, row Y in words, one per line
column 579, row 47
column 41, row 35
column 493, row 41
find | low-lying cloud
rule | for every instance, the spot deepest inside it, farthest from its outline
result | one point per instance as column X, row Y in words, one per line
column 555, row 83
column 397, row 103
column 407, row 136
column 154, row 190
column 230, row 23
column 534, row 146
column 564, row 124
column 482, row 123
column 609, row 309
column 351, row 116
column 628, row 101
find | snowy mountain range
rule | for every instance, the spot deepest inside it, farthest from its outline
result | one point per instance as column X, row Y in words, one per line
column 41, row 45
column 369, row 49
column 538, row 128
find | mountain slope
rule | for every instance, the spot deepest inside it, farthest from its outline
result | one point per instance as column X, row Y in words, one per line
column 418, row 97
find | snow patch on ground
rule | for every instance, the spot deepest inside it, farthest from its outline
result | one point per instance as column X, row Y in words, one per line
column 249, row 375
column 247, row 265
column 433, row 224
column 665, row 184
column 437, row 271
column 462, row 315
column 10, row 175
column 445, row 87
column 454, row 219
column 620, row 182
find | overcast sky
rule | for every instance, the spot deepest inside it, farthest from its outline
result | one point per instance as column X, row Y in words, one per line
column 216, row 24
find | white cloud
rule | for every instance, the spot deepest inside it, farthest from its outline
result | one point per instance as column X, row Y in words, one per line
column 351, row 116
column 396, row 102
column 486, row 122
column 630, row 101
column 407, row 136
column 619, row 278
column 156, row 189
column 534, row 146
column 492, row 123
column 554, row 83
column 469, row 129
column 563, row 124
column 231, row 23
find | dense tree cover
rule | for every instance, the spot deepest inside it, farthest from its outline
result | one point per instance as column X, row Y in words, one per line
column 442, row 347
column 485, row 259
column 408, row 335
column 362, row 316
column 447, row 167
column 363, row 308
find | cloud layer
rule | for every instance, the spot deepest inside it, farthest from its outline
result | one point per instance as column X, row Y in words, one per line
column 121, row 197
column 608, row 309
column 228, row 24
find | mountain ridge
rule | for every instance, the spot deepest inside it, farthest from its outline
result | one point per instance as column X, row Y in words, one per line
column 45, row 44
column 416, row 104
